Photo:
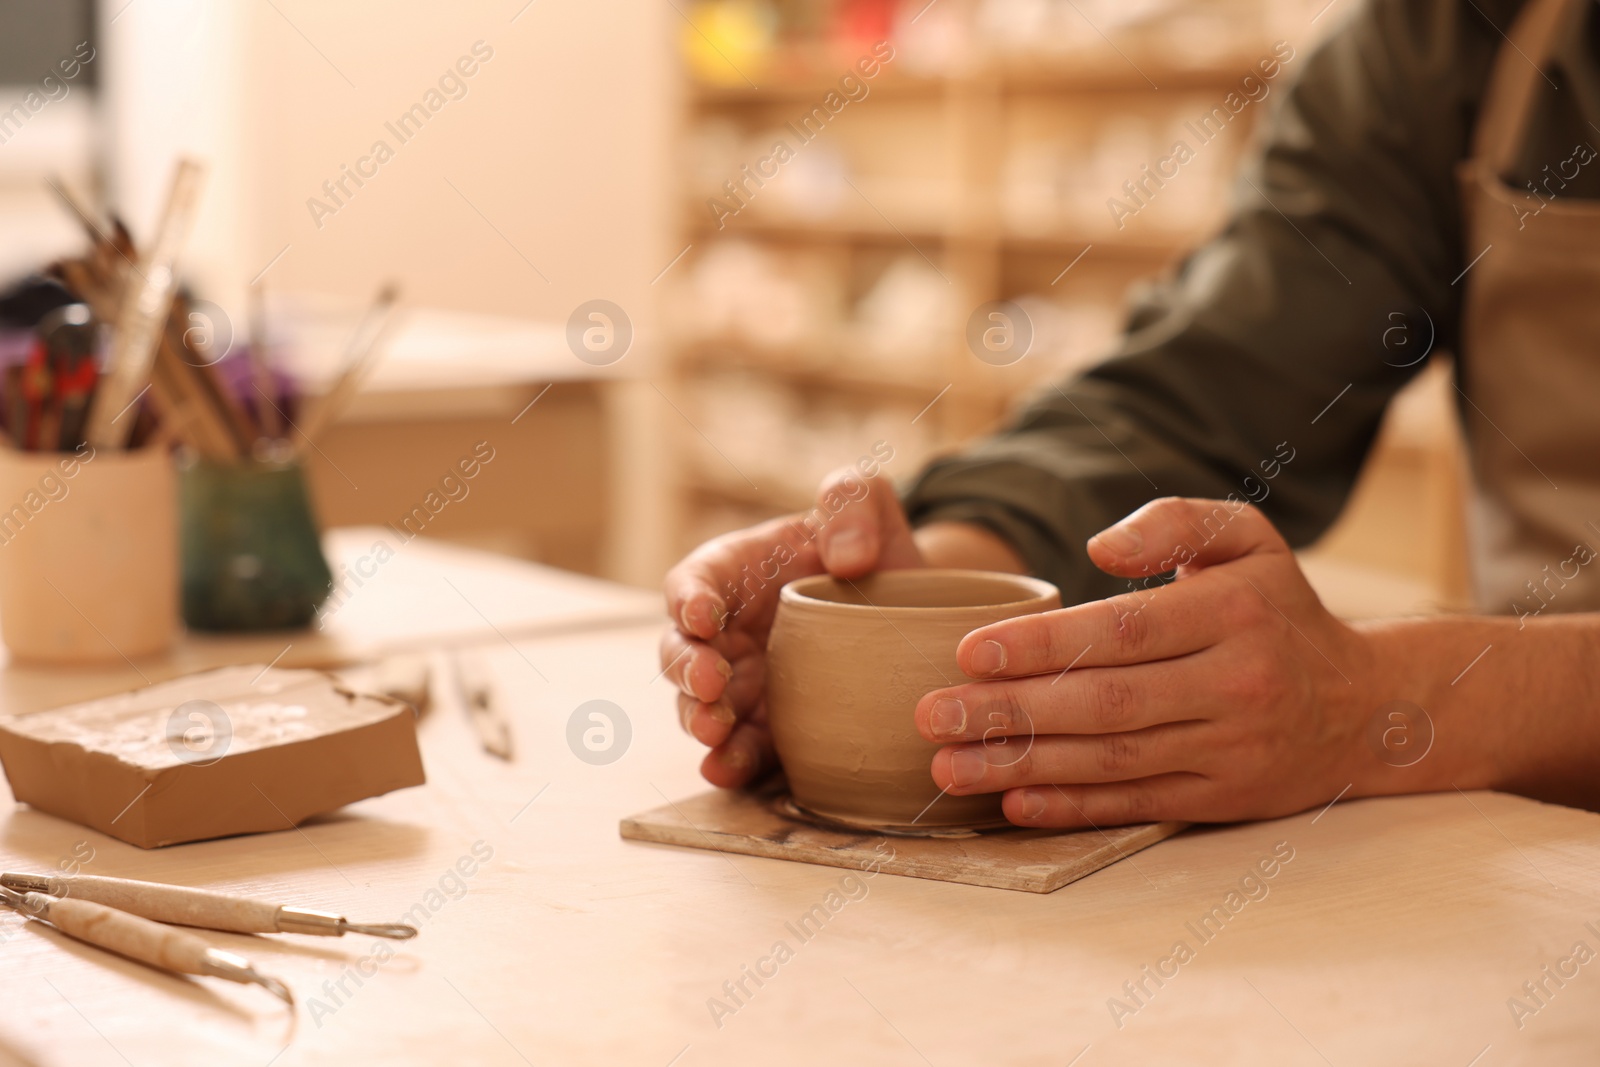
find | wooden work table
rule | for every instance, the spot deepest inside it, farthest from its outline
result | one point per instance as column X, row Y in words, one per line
column 1395, row 934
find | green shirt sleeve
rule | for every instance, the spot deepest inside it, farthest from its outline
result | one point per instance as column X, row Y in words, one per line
column 1277, row 338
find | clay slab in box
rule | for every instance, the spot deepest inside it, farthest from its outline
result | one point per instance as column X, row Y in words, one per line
column 233, row 751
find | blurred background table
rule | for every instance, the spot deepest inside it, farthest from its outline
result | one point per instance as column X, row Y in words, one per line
column 450, row 382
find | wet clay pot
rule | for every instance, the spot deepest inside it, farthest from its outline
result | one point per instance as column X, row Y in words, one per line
column 847, row 663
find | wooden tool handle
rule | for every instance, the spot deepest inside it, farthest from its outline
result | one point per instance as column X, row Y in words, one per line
column 127, row 935
column 142, row 317
column 171, row 903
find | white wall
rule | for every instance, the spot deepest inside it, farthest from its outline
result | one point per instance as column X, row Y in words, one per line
column 173, row 84
column 561, row 143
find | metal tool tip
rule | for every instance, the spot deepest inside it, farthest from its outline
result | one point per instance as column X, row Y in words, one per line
column 396, row 931
column 272, row 985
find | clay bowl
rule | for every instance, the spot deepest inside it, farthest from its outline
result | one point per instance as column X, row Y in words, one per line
column 847, row 663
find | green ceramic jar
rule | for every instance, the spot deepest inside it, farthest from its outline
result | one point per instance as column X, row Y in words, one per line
column 252, row 559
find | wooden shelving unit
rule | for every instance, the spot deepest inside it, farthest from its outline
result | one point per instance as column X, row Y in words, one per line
column 933, row 179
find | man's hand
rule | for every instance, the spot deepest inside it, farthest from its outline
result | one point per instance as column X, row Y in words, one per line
column 724, row 595
column 1230, row 693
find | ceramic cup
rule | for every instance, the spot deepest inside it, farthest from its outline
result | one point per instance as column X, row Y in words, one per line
column 847, row 663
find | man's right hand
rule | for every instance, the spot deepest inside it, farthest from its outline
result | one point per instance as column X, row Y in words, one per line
column 723, row 597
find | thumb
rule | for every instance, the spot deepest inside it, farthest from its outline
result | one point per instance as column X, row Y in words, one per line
column 1183, row 532
column 864, row 528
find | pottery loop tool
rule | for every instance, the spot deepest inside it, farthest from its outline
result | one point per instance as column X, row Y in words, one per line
column 484, row 710
column 202, row 908
column 406, row 678
column 139, row 939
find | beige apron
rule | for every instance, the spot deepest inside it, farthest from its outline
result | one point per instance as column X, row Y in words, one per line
column 1530, row 349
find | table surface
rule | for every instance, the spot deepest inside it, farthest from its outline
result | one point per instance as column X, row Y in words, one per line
column 429, row 349
column 394, row 596
column 1398, row 931
column 437, row 363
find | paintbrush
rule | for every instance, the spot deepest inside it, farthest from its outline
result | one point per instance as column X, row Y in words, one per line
column 360, row 356
column 261, row 378
column 208, row 384
column 142, row 317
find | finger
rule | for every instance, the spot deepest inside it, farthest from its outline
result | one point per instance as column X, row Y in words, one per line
column 864, row 527
column 694, row 666
column 1157, row 799
column 1140, row 627
column 1095, row 700
column 1183, row 532
column 1005, row 763
column 744, row 757
column 709, row 724
column 693, row 601
column 749, row 682
column 740, row 565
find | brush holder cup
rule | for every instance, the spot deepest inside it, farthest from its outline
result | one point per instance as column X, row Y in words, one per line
column 88, row 555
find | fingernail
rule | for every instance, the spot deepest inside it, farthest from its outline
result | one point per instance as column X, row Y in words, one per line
column 722, row 712
column 848, row 548
column 1032, row 804
column 1123, row 540
column 736, row 759
column 989, row 658
column 966, row 767
column 948, row 716
column 725, row 669
column 683, row 618
column 685, row 713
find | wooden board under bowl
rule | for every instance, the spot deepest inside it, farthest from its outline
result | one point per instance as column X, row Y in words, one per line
column 755, row 824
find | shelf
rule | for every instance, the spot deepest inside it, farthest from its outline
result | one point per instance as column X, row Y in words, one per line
column 866, row 230
column 798, row 231
column 778, row 501
column 1076, row 74
column 1159, row 245
column 1119, row 75
column 813, row 88
column 806, row 371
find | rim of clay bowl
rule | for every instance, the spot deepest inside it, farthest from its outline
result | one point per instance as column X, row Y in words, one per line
column 1034, row 593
